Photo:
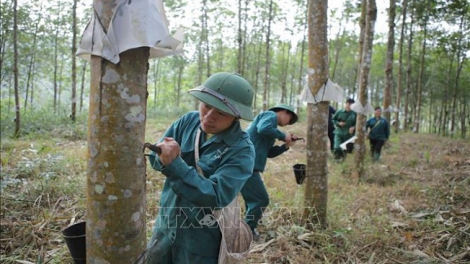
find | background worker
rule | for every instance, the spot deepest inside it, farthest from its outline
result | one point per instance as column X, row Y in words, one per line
column 263, row 133
column 345, row 124
column 378, row 132
column 226, row 159
column 331, row 126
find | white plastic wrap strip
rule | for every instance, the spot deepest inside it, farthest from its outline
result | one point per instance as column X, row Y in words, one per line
column 351, row 140
column 329, row 92
column 360, row 109
column 390, row 109
column 134, row 24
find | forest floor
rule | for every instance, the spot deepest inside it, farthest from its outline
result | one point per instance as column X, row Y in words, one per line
column 411, row 207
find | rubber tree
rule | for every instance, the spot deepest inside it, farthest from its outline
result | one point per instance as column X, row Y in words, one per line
column 15, row 69
column 268, row 57
column 116, row 167
column 400, row 64
column 73, row 115
column 116, row 204
column 425, row 17
column 316, row 189
column 389, row 61
column 359, row 145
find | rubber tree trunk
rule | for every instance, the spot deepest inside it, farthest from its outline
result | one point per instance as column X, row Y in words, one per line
column 389, row 61
column 241, row 38
column 359, row 145
column 362, row 23
column 15, row 69
column 116, row 166
column 82, row 84
column 406, row 114
column 268, row 58
column 301, row 70
column 73, row 115
column 400, row 66
column 419, row 92
column 420, row 84
column 316, row 189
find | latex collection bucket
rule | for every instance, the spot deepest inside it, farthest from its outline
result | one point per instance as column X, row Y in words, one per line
column 75, row 238
column 299, row 172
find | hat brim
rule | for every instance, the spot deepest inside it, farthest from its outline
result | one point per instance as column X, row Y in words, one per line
column 294, row 118
column 244, row 112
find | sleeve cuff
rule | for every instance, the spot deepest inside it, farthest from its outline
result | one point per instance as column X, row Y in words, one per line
column 281, row 135
column 155, row 162
column 175, row 169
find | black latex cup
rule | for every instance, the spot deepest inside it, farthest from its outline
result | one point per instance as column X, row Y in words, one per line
column 75, row 238
column 299, row 172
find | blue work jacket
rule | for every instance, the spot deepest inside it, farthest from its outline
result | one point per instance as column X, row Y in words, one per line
column 188, row 199
column 263, row 133
column 378, row 128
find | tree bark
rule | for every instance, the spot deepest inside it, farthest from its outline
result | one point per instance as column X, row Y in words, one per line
column 73, row 115
column 240, row 40
column 179, row 80
column 56, row 48
column 32, row 59
column 82, row 86
column 359, row 145
column 59, row 81
column 284, row 70
column 244, row 58
column 116, row 207
column 268, row 58
column 339, row 43
column 463, row 116
column 408, row 72
column 316, row 183
column 257, row 74
column 200, row 47
column 460, row 62
column 419, row 91
column 400, row 65
column 301, row 70
column 156, row 74
column 389, row 62
column 205, row 34
column 446, row 96
column 362, row 24
column 15, row 69
column 33, row 74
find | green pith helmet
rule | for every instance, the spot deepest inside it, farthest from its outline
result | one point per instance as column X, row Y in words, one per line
column 288, row 108
column 228, row 92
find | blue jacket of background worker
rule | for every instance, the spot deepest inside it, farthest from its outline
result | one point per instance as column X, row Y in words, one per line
column 379, row 128
column 188, row 199
column 263, row 132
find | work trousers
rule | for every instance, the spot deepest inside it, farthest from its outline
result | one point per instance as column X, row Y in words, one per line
column 376, row 148
column 256, row 199
column 163, row 251
column 338, row 140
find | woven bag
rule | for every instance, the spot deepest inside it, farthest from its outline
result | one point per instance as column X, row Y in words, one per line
column 237, row 237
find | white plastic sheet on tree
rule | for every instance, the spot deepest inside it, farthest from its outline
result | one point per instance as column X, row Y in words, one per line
column 329, row 92
column 360, row 109
column 135, row 23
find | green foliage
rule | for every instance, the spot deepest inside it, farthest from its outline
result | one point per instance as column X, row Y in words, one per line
column 46, row 67
column 44, row 123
